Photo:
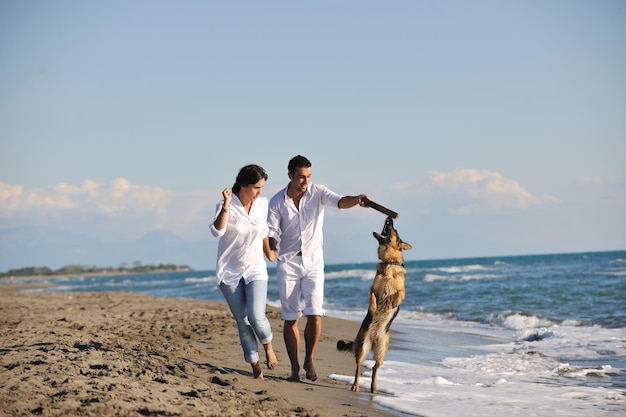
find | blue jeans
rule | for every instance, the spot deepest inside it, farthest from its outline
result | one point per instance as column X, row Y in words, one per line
column 247, row 303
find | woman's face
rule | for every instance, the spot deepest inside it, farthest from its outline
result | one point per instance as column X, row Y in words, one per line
column 252, row 191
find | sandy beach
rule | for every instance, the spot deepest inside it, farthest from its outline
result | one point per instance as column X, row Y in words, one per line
column 128, row 354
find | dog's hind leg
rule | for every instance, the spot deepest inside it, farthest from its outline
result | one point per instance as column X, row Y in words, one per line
column 361, row 349
column 380, row 346
column 379, row 352
column 362, row 346
column 357, row 374
column 374, row 372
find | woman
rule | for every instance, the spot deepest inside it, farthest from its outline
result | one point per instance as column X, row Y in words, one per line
column 241, row 224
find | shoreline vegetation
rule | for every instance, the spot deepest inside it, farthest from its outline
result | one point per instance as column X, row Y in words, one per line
column 136, row 268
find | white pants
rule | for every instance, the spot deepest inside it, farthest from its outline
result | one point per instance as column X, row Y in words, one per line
column 293, row 280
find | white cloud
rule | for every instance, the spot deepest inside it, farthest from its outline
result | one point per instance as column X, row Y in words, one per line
column 114, row 208
column 113, row 199
column 473, row 190
column 402, row 187
column 611, row 179
column 120, row 207
column 121, row 197
column 10, row 196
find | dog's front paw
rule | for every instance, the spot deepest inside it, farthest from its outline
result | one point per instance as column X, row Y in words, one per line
column 355, row 387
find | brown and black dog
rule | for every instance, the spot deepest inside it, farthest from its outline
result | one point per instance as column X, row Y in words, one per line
column 385, row 296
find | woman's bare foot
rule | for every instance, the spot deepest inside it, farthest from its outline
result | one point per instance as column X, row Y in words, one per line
column 271, row 360
column 257, row 372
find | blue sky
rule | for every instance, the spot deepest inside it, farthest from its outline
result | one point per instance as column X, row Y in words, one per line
column 493, row 128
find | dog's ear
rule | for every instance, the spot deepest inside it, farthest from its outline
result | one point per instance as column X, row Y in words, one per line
column 405, row 246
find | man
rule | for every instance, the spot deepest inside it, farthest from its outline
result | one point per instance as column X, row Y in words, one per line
column 295, row 218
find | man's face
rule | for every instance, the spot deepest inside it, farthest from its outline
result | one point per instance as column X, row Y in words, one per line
column 300, row 179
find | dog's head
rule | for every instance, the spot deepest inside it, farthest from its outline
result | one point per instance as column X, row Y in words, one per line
column 390, row 246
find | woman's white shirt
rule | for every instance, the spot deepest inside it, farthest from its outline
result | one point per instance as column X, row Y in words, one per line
column 240, row 248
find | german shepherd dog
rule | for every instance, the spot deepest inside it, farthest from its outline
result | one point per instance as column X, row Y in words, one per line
column 385, row 296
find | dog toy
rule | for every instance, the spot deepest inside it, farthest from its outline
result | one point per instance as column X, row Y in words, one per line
column 378, row 207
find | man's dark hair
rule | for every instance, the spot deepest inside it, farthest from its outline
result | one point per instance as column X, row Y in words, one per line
column 250, row 174
column 296, row 162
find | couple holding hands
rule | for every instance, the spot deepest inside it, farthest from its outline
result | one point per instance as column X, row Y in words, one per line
column 249, row 227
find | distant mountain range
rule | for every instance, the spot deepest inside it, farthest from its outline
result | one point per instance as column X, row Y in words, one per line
column 36, row 246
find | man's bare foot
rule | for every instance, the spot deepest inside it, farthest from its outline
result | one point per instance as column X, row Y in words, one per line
column 257, row 372
column 310, row 371
column 295, row 376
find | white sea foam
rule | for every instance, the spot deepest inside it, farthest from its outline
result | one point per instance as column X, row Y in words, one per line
column 473, row 390
column 434, row 277
column 463, row 268
column 209, row 279
column 450, row 367
column 273, row 303
column 469, row 277
column 365, row 274
column 462, row 277
column 518, row 321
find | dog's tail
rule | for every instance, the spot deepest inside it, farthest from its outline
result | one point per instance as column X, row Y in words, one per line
column 345, row 345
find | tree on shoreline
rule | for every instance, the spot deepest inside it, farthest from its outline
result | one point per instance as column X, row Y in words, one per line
column 137, row 268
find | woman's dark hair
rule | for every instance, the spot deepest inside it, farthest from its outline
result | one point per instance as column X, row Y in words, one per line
column 296, row 162
column 250, row 174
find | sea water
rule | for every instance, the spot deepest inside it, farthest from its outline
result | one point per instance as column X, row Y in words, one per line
column 541, row 335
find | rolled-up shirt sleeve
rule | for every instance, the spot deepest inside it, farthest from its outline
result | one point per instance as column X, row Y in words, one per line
column 329, row 197
column 273, row 221
column 214, row 231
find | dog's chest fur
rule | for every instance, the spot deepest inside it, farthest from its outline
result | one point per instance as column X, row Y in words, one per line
column 388, row 285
